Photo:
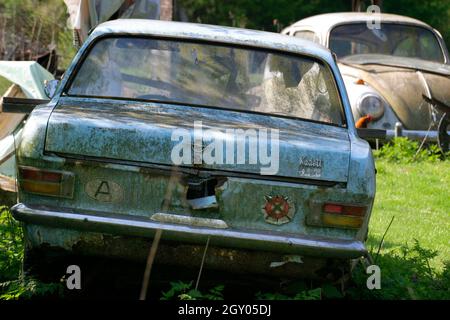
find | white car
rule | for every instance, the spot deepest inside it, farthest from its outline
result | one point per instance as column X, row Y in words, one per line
column 395, row 72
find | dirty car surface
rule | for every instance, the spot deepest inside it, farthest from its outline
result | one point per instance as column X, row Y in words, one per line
column 239, row 137
column 392, row 71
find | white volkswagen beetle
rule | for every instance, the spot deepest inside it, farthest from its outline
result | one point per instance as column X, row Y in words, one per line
column 396, row 69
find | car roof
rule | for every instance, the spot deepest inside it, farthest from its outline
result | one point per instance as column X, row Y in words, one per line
column 211, row 33
column 328, row 20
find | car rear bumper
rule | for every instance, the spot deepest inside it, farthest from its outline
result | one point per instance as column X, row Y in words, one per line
column 187, row 234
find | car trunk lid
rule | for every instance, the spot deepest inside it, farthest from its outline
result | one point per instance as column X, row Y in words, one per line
column 143, row 133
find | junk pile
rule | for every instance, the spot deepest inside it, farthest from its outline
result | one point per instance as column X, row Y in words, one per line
column 27, row 78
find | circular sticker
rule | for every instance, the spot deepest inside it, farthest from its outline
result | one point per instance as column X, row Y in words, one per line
column 278, row 210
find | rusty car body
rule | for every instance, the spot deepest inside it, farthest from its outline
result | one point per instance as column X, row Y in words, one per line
column 396, row 72
column 95, row 172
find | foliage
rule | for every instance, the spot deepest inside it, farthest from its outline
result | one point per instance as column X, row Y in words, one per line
column 313, row 294
column 184, row 291
column 406, row 273
column 11, row 246
column 13, row 285
column 259, row 14
column 402, row 150
column 32, row 26
column 29, row 288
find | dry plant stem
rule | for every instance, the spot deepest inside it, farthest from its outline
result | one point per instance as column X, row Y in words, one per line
column 382, row 239
column 201, row 266
column 150, row 260
column 155, row 244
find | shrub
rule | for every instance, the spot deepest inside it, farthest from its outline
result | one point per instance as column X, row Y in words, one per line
column 405, row 274
column 403, row 150
column 11, row 246
column 183, row 291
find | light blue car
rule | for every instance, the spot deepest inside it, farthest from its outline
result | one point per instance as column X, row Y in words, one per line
column 241, row 139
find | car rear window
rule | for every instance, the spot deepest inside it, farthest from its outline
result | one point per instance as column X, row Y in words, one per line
column 213, row 75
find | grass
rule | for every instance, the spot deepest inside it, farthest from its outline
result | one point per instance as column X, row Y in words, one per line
column 418, row 196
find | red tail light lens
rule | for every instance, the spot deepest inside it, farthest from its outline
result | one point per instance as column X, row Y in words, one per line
column 44, row 182
column 348, row 210
column 34, row 174
column 343, row 215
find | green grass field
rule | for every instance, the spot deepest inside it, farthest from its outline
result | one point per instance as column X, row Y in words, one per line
column 418, row 197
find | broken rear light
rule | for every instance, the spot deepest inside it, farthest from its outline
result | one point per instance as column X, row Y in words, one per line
column 46, row 182
column 337, row 215
column 332, row 208
column 342, row 215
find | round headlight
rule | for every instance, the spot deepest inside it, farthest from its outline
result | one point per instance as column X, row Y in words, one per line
column 371, row 104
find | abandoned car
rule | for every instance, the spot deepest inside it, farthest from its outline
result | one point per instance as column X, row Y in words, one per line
column 396, row 69
column 242, row 140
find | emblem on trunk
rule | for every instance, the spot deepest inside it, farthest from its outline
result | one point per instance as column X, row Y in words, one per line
column 278, row 210
column 104, row 190
column 310, row 167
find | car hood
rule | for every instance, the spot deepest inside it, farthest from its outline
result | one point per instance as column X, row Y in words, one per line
column 402, row 82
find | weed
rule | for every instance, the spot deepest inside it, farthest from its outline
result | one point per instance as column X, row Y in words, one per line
column 11, row 246
column 183, row 291
column 313, row 294
column 29, row 288
column 403, row 150
column 406, row 273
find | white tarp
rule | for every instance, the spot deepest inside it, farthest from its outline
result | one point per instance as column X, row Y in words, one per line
column 87, row 14
column 28, row 75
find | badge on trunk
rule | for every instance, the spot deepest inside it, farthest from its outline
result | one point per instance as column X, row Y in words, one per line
column 278, row 210
column 104, row 190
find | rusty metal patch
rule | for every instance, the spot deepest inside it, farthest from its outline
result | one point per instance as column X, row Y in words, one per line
column 278, row 210
column 104, row 190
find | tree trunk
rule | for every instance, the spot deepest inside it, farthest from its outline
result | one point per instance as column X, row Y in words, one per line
column 166, row 10
column 359, row 5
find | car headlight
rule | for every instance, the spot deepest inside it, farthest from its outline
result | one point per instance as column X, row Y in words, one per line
column 371, row 104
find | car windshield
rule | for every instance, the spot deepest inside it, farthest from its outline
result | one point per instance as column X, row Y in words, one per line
column 211, row 75
column 391, row 39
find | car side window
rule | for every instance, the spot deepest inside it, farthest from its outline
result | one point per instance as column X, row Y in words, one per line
column 307, row 35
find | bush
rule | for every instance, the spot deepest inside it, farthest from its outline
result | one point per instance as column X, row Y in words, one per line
column 405, row 274
column 11, row 246
column 13, row 284
column 403, row 150
column 184, row 291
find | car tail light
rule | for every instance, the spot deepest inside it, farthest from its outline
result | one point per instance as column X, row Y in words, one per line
column 344, row 209
column 46, row 182
column 342, row 215
column 337, row 215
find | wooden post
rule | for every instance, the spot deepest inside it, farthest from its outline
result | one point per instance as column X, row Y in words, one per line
column 360, row 5
column 356, row 5
column 166, row 10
